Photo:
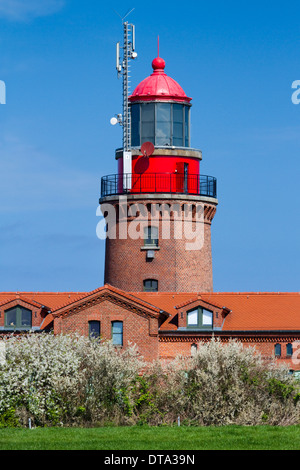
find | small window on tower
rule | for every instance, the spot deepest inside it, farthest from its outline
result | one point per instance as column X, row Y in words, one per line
column 151, row 236
column 150, row 285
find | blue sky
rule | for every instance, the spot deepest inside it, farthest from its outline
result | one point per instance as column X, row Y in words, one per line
column 236, row 59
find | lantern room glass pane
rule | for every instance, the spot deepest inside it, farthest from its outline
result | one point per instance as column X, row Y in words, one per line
column 163, row 124
column 135, row 125
column 147, row 123
column 178, row 125
column 186, row 126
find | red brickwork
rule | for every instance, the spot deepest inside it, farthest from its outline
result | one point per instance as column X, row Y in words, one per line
column 176, row 268
column 138, row 327
column 171, row 346
column 157, row 322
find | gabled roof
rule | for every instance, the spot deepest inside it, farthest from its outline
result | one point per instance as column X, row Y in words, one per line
column 112, row 292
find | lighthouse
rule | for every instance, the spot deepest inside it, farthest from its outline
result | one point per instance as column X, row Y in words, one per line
column 159, row 204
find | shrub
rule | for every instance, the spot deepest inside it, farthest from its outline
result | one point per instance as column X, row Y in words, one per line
column 71, row 380
column 225, row 384
column 64, row 379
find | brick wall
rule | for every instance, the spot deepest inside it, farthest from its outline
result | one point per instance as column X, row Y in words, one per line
column 176, row 268
column 141, row 330
column 170, row 347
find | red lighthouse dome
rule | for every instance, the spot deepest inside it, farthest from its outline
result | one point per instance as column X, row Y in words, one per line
column 160, row 117
column 159, row 86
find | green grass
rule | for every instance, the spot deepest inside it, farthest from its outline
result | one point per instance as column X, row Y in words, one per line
column 147, row 438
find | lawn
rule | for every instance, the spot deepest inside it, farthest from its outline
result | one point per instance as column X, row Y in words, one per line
column 152, row 438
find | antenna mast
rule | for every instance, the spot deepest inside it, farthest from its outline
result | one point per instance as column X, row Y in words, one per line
column 123, row 68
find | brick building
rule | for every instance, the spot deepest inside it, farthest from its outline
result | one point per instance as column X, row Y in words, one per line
column 158, row 290
column 162, row 324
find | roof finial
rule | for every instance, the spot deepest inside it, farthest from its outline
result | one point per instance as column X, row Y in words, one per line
column 158, row 63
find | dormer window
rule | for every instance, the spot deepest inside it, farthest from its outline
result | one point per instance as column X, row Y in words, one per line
column 18, row 318
column 200, row 318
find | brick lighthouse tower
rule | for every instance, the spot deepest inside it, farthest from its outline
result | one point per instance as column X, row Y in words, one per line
column 158, row 207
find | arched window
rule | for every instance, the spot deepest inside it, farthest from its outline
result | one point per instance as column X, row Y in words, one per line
column 278, row 350
column 194, row 348
column 19, row 318
column 150, row 285
column 289, row 349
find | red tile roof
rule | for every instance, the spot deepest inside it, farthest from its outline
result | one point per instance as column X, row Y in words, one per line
column 249, row 311
column 52, row 300
column 260, row 311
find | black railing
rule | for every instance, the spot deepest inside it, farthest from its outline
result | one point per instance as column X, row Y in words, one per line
column 200, row 185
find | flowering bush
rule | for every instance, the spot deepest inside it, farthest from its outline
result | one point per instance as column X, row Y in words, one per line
column 226, row 384
column 71, row 380
column 64, row 379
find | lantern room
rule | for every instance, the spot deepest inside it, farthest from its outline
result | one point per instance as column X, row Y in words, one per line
column 163, row 124
column 159, row 119
column 160, row 111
